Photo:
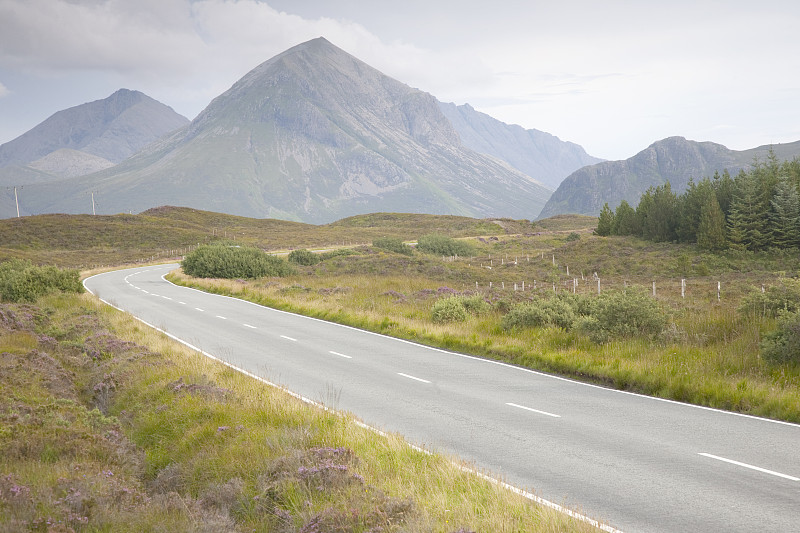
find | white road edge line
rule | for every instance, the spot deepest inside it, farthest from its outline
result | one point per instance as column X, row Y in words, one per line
column 412, row 377
column 533, row 410
column 341, row 355
column 288, row 338
column 516, row 490
column 751, row 467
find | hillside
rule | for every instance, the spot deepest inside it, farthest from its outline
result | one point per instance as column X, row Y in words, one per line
column 312, row 134
column 540, row 155
column 674, row 159
column 85, row 240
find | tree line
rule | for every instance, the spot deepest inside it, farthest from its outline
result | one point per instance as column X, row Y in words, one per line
column 756, row 210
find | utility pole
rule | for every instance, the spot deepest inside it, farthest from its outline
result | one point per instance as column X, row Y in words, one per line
column 16, row 200
column 93, row 203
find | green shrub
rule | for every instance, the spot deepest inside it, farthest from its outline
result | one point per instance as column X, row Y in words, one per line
column 393, row 244
column 442, row 245
column 783, row 345
column 777, row 298
column 540, row 313
column 573, row 237
column 630, row 313
column 449, row 309
column 233, row 262
column 475, row 305
column 303, row 257
column 21, row 281
column 341, row 252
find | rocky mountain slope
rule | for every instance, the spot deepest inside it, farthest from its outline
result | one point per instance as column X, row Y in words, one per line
column 312, row 134
column 540, row 155
column 113, row 128
column 674, row 159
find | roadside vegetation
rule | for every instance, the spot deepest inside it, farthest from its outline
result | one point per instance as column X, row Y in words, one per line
column 724, row 343
column 108, row 425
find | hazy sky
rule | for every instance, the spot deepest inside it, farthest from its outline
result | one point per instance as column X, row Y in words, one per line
column 613, row 76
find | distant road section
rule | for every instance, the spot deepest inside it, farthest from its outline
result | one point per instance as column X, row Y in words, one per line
column 638, row 463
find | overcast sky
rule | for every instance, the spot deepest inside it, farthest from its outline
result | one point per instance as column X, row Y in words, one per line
column 613, row 76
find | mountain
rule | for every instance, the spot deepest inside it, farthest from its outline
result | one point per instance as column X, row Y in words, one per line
column 112, row 129
column 68, row 163
column 315, row 135
column 673, row 159
column 540, row 155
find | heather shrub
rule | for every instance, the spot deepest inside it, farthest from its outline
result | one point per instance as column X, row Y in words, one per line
column 449, row 309
column 393, row 244
column 777, row 298
column 303, row 257
column 539, row 313
column 21, row 281
column 783, row 345
column 630, row 313
column 233, row 263
column 443, row 245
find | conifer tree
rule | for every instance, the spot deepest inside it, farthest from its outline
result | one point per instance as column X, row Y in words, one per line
column 785, row 215
column 747, row 221
column 711, row 230
column 625, row 220
column 605, row 223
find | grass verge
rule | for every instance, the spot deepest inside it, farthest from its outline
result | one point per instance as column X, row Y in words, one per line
column 104, row 434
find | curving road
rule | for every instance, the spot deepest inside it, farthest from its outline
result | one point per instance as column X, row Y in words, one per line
column 637, row 463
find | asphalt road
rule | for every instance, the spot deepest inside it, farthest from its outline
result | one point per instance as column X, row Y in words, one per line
column 637, row 463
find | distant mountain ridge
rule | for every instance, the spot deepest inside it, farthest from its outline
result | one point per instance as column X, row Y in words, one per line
column 315, row 135
column 113, row 129
column 540, row 155
column 674, row 159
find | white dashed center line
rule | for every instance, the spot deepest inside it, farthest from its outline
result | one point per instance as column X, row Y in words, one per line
column 341, row 355
column 412, row 377
column 198, row 309
column 533, row 410
column 222, row 317
column 751, row 467
column 249, row 326
column 288, row 338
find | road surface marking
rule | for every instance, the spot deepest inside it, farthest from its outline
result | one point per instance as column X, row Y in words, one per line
column 222, row 317
column 533, row 410
column 197, row 308
column 144, row 291
column 412, row 377
column 751, row 467
column 182, row 303
column 166, row 297
column 249, row 326
column 341, row 355
column 288, row 338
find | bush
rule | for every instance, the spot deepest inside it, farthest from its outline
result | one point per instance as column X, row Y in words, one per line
column 233, row 262
column 631, row 313
column 21, row 281
column 540, row 313
column 449, row 310
column 458, row 308
column 783, row 345
column 475, row 305
column 341, row 252
column 442, row 245
column 783, row 297
column 303, row 257
column 573, row 237
column 393, row 244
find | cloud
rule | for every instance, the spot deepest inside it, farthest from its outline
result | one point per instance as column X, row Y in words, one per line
column 4, row 90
